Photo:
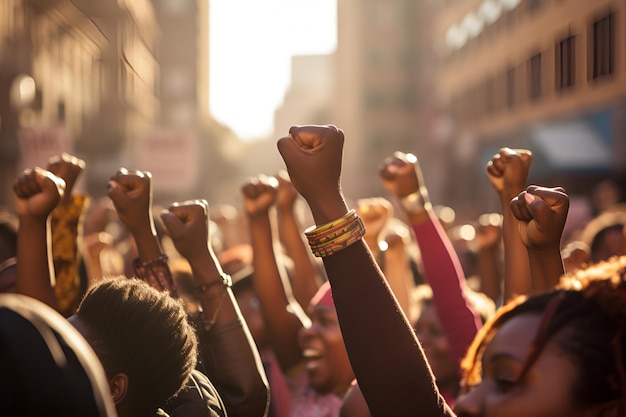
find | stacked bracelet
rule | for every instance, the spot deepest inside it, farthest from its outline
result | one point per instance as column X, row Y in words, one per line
column 332, row 237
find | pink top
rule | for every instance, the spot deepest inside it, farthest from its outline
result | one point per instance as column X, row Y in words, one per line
column 444, row 273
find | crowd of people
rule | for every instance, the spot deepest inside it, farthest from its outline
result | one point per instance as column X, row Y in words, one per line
column 118, row 307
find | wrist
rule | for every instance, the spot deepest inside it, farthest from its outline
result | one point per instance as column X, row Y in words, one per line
column 416, row 202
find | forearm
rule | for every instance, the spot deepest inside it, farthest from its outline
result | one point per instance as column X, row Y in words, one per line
column 546, row 268
column 443, row 272
column 274, row 294
column 232, row 363
column 490, row 281
column 517, row 278
column 399, row 276
column 401, row 385
column 304, row 277
column 386, row 357
column 144, row 234
column 35, row 273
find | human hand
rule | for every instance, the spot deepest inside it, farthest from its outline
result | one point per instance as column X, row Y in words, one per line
column 374, row 212
column 69, row 168
column 131, row 193
column 37, row 193
column 401, row 174
column 187, row 224
column 542, row 212
column 313, row 156
column 508, row 171
column 395, row 236
column 488, row 231
column 259, row 194
column 287, row 194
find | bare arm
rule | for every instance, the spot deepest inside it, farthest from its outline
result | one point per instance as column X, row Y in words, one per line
column 229, row 354
column 270, row 282
column 37, row 193
column 305, row 281
column 508, row 171
column 542, row 213
column 386, row 357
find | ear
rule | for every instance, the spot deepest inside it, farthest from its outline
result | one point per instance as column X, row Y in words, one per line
column 119, row 387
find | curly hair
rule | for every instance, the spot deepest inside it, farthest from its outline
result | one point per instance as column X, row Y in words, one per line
column 586, row 317
column 144, row 333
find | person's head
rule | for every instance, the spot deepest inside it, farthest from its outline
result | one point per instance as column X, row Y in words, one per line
column 328, row 365
column 46, row 366
column 604, row 234
column 143, row 339
column 432, row 336
column 558, row 353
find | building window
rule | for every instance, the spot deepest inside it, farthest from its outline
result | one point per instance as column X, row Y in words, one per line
column 565, row 63
column 603, row 47
column 534, row 76
column 510, row 88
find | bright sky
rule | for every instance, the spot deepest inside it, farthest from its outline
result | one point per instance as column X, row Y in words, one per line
column 252, row 42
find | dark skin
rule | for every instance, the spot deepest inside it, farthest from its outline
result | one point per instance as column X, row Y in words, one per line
column 305, row 280
column 508, row 172
column 68, row 167
column 542, row 213
column 37, row 193
column 270, row 282
column 318, row 149
column 187, row 224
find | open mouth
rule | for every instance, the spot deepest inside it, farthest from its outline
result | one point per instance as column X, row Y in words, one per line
column 313, row 358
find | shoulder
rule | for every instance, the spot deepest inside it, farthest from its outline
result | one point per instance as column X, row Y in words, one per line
column 198, row 398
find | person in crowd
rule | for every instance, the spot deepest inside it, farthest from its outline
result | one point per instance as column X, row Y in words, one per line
column 229, row 357
column 40, row 352
column 308, row 346
column 447, row 329
column 539, row 359
column 508, row 172
column 140, row 335
column 124, row 318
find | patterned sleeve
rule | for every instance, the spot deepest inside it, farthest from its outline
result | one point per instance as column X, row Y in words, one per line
column 65, row 223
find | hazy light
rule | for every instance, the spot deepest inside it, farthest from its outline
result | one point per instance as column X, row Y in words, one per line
column 510, row 4
column 446, row 214
column 23, row 91
column 467, row 232
column 456, row 37
column 490, row 11
column 472, row 24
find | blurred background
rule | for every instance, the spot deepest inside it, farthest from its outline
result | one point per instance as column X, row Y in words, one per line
column 127, row 83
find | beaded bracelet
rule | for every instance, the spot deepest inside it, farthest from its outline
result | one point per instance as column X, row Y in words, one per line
column 224, row 279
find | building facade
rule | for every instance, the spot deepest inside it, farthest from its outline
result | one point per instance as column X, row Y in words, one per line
column 545, row 75
column 76, row 76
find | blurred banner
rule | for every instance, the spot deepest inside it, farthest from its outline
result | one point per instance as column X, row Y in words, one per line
column 38, row 144
column 172, row 156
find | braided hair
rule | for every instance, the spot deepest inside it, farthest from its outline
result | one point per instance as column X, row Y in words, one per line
column 586, row 317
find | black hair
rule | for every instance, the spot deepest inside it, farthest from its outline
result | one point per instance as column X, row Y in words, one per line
column 586, row 318
column 137, row 330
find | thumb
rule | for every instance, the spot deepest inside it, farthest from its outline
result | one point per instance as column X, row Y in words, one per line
column 172, row 223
